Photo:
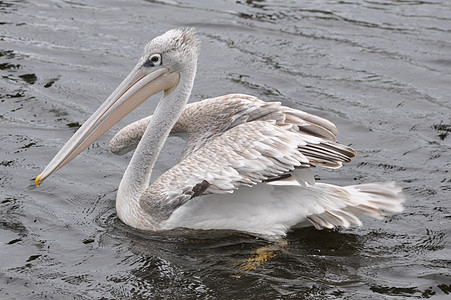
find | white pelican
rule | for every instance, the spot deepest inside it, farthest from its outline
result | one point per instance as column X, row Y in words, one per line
column 246, row 164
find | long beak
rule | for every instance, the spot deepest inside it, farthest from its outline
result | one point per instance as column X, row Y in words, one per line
column 134, row 90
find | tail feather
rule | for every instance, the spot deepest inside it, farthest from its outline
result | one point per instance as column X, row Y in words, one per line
column 373, row 199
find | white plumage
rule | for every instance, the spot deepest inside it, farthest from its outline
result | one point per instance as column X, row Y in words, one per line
column 246, row 165
column 262, row 210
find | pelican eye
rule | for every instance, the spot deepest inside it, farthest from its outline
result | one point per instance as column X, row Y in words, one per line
column 154, row 60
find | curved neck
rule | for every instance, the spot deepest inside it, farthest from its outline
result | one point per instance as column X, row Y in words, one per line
column 137, row 175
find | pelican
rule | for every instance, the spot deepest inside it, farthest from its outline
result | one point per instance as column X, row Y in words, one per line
column 246, row 165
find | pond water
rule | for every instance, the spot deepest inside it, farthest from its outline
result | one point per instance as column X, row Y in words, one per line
column 379, row 69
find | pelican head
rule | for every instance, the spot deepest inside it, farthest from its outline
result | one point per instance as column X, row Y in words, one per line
column 177, row 48
column 165, row 60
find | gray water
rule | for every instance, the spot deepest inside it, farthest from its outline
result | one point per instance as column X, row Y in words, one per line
column 380, row 70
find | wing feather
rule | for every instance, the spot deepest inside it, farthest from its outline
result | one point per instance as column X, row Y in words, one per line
column 246, row 154
column 204, row 120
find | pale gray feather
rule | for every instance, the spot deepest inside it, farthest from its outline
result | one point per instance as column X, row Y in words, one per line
column 204, row 120
column 372, row 199
column 246, row 154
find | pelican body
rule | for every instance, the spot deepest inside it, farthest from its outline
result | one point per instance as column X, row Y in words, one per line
column 246, row 165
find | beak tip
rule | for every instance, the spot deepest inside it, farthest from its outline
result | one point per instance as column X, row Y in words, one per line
column 38, row 180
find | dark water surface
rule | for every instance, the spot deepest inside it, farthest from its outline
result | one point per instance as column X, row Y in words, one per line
column 381, row 70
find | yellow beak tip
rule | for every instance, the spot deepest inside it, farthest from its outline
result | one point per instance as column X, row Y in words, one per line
column 38, row 180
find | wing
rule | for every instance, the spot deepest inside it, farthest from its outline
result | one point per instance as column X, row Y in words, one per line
column 203, row 121
column 127, row 139
column 244, row 155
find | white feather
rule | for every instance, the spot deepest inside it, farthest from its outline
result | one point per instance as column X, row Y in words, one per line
column 271, row 209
